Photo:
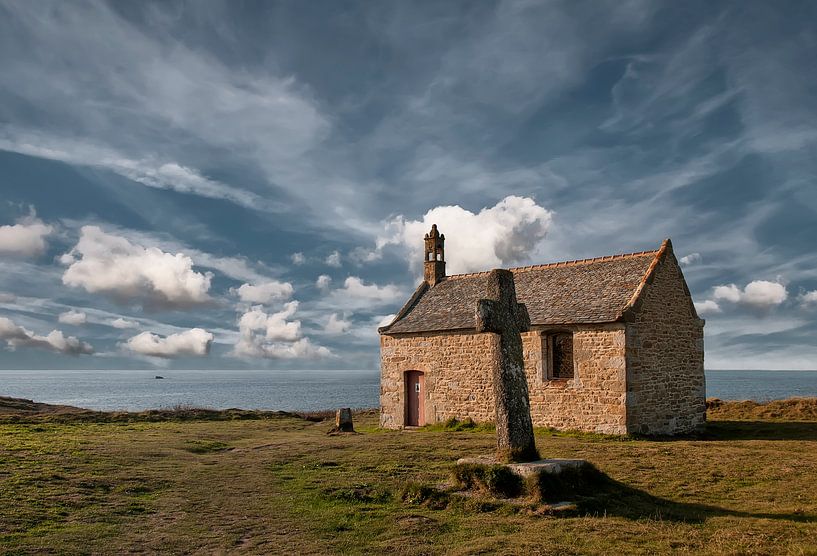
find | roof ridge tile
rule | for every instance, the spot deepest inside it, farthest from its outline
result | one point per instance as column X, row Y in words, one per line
column 558, row 264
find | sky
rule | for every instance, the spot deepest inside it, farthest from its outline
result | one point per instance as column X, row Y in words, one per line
column 238, row 184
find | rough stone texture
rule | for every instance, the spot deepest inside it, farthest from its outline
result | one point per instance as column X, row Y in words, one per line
column 434, row 259
column 573, row 292
column 501, row 314
column 458, row 375
column 458, row 379
column 641, row 371
column 526, row 469
column 343, row 420
column 666, row 388
column 594, row 399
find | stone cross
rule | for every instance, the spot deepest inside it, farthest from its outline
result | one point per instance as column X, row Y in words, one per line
column 501, row 314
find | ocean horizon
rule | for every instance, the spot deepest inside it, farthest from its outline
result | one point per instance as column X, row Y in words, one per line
column 298, row 390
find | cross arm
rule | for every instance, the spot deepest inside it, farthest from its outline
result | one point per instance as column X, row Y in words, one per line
column 487, row 316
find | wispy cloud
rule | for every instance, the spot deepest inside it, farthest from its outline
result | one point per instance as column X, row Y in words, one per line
column 664, row 121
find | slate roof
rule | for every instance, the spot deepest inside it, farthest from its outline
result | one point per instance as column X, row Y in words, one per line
column 571, row 292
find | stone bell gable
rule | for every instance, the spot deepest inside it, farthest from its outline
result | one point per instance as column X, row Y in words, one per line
column 614, row 346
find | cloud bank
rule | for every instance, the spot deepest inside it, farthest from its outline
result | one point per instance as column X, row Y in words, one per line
column 760, row 294
column 113, row 266
column 497, row 236
column 194, row 342
column 26, row 238
column 17, row 336
column 356, row 294
column 274, row 336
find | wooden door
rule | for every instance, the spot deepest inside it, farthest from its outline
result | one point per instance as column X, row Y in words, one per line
column 415, row 394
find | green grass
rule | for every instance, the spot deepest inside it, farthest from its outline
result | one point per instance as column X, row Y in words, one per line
column 277, row 483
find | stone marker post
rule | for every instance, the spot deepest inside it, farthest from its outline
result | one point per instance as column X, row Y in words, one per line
column 501, row 314
column 343, row 420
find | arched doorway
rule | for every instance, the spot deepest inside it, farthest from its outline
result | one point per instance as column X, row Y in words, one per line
column 415, row 395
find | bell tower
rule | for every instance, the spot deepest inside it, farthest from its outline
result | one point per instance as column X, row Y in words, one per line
column 434, row 261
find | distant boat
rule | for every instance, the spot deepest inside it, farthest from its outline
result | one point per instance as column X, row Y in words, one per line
column 157, row 377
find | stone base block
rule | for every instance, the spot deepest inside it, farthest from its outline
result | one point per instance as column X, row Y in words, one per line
column 544, row 480
column 552, row 466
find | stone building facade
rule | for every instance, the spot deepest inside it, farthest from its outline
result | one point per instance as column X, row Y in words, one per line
column 615, row 346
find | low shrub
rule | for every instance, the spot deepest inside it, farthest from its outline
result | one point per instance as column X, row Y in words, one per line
column 420, row 494
column 498, row 480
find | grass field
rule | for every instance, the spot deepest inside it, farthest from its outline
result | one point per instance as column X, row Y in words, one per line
column 216, row 482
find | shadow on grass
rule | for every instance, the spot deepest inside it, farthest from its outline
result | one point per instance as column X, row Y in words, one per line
column 760, row 430
column 590, row 490
column 605, row 496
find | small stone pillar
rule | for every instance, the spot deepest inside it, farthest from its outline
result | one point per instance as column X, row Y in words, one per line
column 343, row 420
column 503, row 315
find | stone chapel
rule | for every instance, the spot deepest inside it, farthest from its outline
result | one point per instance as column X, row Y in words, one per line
column 614, row 346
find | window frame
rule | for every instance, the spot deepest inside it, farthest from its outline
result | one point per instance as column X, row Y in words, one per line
column 548, row 339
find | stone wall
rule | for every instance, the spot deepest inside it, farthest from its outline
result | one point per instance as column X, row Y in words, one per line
column 645, row 376
column 594, row 399
column 666, row 387
column 458, row 375
column 458, row 378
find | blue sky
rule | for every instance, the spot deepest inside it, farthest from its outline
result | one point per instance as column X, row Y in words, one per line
column 246, row 184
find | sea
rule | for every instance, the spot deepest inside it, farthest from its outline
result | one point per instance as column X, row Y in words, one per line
column 298, row 390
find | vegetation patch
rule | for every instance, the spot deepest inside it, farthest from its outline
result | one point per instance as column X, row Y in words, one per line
column 118, row 487
column 495, row 479
column 423, row 494
column 205, row 446
column 360, row 493
column 793, row 409
column 455, row 425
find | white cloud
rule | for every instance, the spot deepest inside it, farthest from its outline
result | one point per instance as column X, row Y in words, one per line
column 727, row 293
column 193, row 342
column 275, row 326
column 809, row 297
column 112, row 265
column 73, row 317
column 501, row 235
column 25, row 238
column 323, row 282
column 7, row 297
column 235, row 267
column 17, row 336
column 759, row 293
column 337, row 324
column 762, row 293
column 298, row 259
column 264, row 293
column 356, row 292
column 274, row 336
column 691, row 259
column 333, row 259
column 301, row 349
column 123, row 323
column 707, row 307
